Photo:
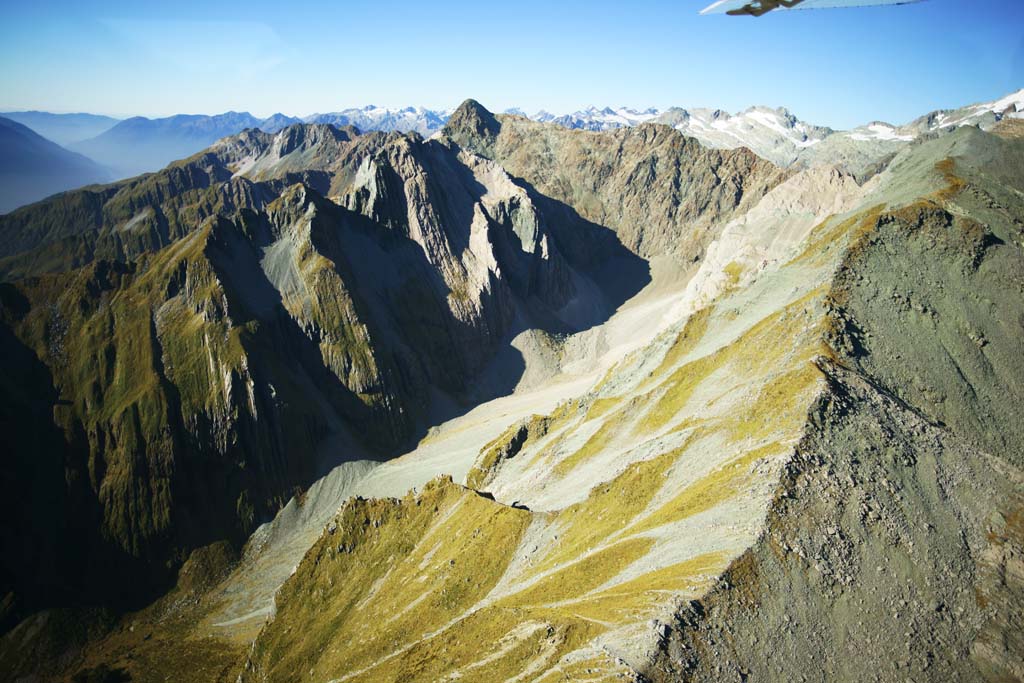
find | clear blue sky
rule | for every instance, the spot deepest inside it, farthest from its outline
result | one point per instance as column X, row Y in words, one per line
column 832, row 67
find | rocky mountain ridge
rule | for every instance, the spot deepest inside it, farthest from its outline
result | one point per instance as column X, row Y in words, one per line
column 139, row 144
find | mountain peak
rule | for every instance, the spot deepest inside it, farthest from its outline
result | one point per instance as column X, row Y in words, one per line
column 472, row 125
column 470, row 109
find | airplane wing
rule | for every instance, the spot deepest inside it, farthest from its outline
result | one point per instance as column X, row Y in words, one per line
column 758, row 7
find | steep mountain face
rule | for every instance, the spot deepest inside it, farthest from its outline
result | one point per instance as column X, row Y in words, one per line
column 658, row 190
column 64, row 129
column 119, row 220
column 32, row 167
column 894, row 530
column 185, row 400
column 694, row 417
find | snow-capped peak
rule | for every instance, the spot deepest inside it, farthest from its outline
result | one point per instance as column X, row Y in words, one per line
column 773, row 133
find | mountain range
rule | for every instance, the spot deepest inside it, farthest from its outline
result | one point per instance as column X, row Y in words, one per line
column 521, row 400
column 64, row 129
column 137, row 145
column 779, row 136
column 423, row 121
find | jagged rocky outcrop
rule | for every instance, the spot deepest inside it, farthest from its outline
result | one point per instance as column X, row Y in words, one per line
column 660, row 191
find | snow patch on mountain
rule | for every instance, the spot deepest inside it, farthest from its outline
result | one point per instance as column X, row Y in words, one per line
column 878, row 131
column 405, row 120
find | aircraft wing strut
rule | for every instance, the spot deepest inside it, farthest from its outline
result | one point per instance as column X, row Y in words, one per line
column 758, row 7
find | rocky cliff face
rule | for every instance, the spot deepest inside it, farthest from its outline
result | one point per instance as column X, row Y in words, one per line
column 658, row 190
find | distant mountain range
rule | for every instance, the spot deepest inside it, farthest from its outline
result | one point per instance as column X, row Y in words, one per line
column 32, row 167
column 138, row 144
column 782, row 138
column 108, row 148
column 64, row 129
column 410, row 119
column 773, row 133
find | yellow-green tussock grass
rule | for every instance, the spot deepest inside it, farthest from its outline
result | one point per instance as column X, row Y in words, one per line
column 421, row 561
column 600, row 406
column 598, row 442
column 832, row 236
column 720, row 485
column 777, row 408
column 634, row 599
column 733, row 272
column 607, row 510
column 693, row 331
column 764, row 346
column 582, row 576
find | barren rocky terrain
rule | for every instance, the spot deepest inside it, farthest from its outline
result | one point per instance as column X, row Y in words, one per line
column 518, row 402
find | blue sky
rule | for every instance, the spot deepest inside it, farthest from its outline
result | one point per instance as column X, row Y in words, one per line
column 831, row 67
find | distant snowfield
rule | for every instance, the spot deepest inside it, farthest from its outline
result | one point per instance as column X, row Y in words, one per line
column 880, row 131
